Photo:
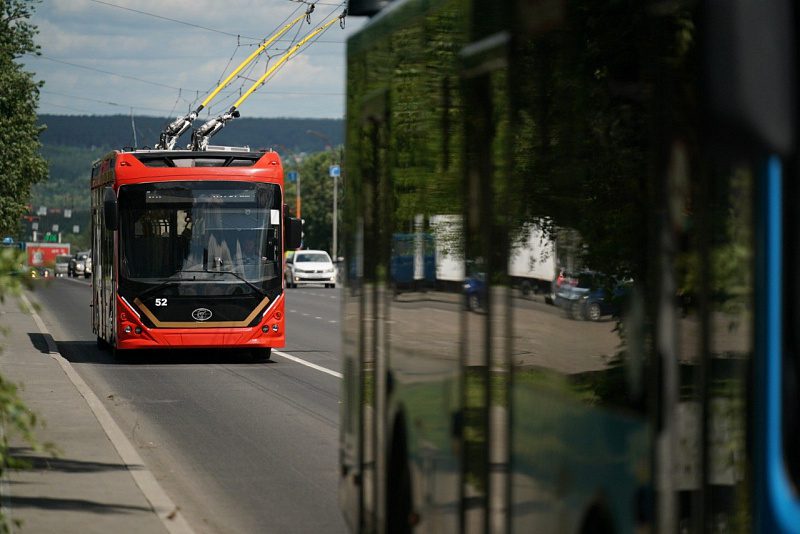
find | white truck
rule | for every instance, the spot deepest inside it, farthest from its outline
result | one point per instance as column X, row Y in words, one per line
column 533, row 262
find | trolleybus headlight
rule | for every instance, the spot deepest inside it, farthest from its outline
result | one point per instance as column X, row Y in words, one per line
column 274, row 328
column 128, row 329
column 265, row 329
column 138, row 330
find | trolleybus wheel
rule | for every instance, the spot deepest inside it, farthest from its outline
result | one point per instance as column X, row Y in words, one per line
column 261, row 354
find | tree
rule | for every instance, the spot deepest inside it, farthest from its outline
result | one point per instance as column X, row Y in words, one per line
column 21, row 164
column 317, row 197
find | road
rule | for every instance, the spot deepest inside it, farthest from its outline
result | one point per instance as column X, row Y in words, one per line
column 239, row 446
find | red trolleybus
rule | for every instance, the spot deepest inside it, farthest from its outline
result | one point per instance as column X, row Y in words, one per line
column 188, row 250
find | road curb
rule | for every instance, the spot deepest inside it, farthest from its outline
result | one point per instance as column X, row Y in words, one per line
column 162, row 505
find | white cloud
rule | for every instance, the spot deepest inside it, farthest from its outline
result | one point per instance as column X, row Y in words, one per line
column 117, row 40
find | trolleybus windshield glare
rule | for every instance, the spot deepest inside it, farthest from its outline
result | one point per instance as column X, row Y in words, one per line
column 175, row 279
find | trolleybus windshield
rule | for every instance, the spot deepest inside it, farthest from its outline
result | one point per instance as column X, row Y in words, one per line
column 200, row 238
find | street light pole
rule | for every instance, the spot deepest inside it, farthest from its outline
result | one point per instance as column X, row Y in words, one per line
column 335, row 215
column 297, row 166
column 335, row 176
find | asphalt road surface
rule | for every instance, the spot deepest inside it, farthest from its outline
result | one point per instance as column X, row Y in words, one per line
column 239, row 446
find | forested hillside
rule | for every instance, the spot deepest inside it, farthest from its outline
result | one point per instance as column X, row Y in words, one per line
column 117, row 131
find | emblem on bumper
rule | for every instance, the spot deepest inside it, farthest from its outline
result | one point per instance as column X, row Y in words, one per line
column 201, row 314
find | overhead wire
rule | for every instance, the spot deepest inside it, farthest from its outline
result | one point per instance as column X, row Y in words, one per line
column 202, row 135
column 229, row 97
column 244, row 75
column 106, row 102
column 325, row 24
column 126, row 76
column 248, row 65
column 177, row 21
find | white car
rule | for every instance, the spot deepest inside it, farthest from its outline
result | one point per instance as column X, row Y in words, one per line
column 80, row 265
column 62, row 264
column 306, row 267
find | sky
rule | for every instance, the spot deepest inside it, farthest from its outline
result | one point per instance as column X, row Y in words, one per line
column 111, row 57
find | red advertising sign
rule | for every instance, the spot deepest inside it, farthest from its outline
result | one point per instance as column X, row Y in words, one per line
column 44, row 254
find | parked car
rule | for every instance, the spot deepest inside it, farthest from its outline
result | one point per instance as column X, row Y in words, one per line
column 62, row 264
column 589, row 295
column 307, row 267
column 474, row 286
column 80, row 265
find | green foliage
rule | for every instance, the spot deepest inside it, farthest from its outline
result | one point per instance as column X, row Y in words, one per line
column 12, row 272
column 316, row 189
column 68, row 186
column 20, row 163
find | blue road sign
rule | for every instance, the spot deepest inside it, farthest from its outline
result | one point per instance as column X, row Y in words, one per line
column 335, row 171
column 291, row 176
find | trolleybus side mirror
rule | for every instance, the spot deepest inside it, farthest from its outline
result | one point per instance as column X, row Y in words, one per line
column 110, row 208
column 294, row 233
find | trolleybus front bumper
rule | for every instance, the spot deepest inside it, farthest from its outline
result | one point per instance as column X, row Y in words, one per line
column 132, row 333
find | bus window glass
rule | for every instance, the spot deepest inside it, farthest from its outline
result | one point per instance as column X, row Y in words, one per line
column 627, row 362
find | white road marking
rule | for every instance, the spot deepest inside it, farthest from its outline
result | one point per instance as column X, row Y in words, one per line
column 332, row 322
column 317, row 317
column 307, row 364
column 81, row 281
column 164, row 507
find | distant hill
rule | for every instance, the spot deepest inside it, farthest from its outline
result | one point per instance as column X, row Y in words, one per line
column 117, row 131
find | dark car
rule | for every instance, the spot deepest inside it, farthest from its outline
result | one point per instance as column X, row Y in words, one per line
column 589, row 295
column 475, row 291
column 475, row 285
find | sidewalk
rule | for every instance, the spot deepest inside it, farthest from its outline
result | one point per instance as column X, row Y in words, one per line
column 88, row 488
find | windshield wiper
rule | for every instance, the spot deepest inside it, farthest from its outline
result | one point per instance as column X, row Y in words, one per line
column 174, row 278
column 243, row 279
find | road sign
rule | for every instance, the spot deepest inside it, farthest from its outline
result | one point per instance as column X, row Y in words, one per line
column 291, row 176
column 335, row 171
